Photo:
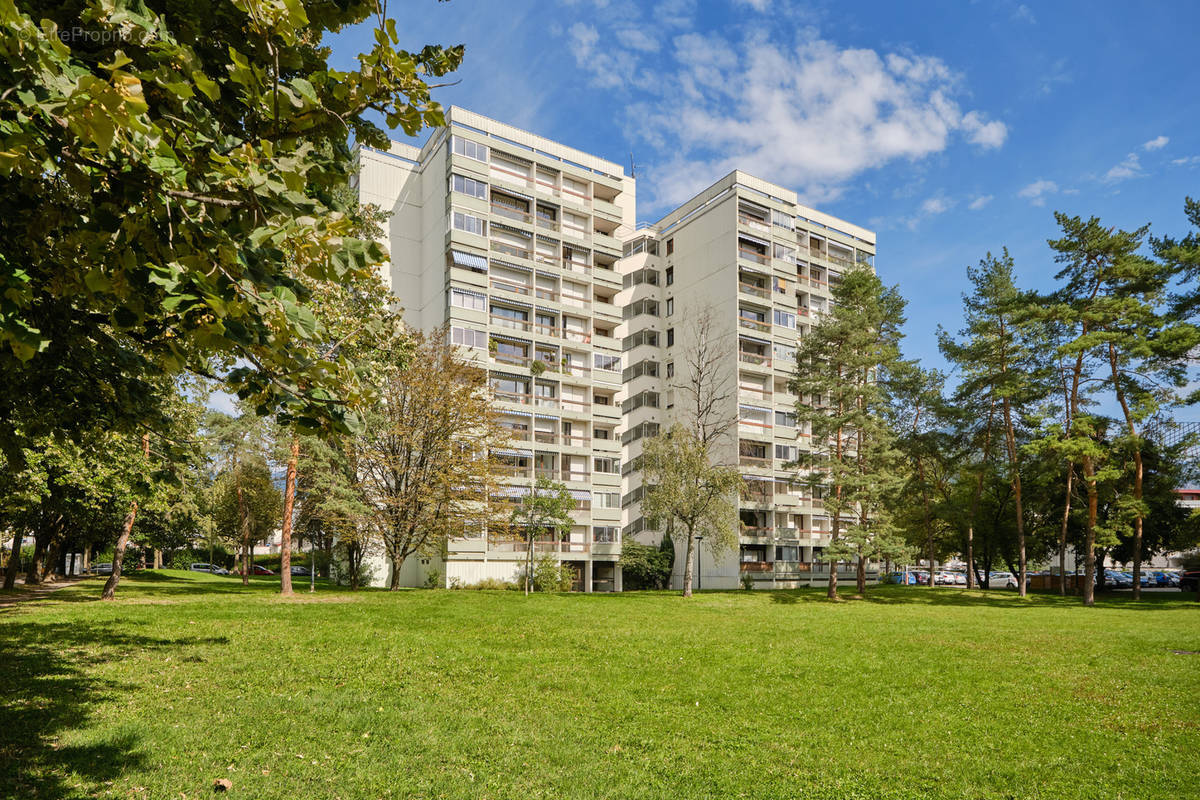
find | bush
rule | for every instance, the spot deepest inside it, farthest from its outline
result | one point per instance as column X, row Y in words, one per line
column 549, row 575
column 433, row 579
column 747, row 581
column 644, row 566
column 495, row 584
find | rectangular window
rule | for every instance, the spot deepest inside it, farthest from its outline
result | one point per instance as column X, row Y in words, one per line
column 783, row 355
column 670, row 306
column 468, row 186
column 785, row 318
column 608, row 466
column 606, row 362
column 670, row 274
column 465, row 147
column 670, row 246
column 670, row 369
column 469, row 223
column 670, row 337
column 638, row 338
column 606, row 499
column 786, row 452
column 785, row 418
column 469, row 337
column 474, row 301
column 605, row 534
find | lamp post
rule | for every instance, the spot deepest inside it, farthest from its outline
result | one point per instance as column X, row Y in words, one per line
column 699, row 541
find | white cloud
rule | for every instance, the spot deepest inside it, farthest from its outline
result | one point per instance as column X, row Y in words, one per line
column 637, row 39
column 1131, row 167
column 1157, row 143
column 811, row 115
column 980, row 202
column 1024, row 14
column 983, row 133
column 936, row 205
column 1187, row 161
column 757, row 5
column 1037, row 191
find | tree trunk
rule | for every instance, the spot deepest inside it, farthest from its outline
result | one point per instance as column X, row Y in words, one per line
column 14, row 561
column 1089, row 542
column 1138, row 471
column 394, row 582
column 1062, row 535
column 33, row 574
column 244, row 524
column 110, row 586
column 289, row 503
column 53, row 554
column 87, row 557
column 157, row 558
column 1014, row 464
column 860, row 575
column 687, row 565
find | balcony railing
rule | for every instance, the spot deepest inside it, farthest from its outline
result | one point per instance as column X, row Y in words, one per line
column 754, row 222
column 568, row 475
column 546, row 294
column 512, row 397
column 757, row 392
column 507, row 212
column 753, row 255
column 545, row 437
column 509, row 286
column 510, row 250
column 754, row 461
column 502, row 321
column 545, row 222
column 758, row 359
column 750, row 288
column 756, row 566
column 576, row 266
column 759, row 532
column 576, row 440
column 510, row 358
column 754, row 324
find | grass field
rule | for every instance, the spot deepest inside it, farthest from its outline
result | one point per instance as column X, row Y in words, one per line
column 910, row 693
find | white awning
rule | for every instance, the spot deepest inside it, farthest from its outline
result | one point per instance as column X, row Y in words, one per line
column 511, row 491
column 550, row 417
column 513, row 453
column 580, row 494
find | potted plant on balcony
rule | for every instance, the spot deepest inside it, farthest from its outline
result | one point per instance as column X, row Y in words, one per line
column 537, row 367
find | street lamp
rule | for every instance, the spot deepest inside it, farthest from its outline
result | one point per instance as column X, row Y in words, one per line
column 699, row 540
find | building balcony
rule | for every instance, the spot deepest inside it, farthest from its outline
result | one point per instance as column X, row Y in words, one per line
column 760, row 326
column 508, row 212
column 757, row 567
column 509, row 286
column 754, row 223
column 758, row 462
column 754, row 290
column 754, row 359
column 753, row 255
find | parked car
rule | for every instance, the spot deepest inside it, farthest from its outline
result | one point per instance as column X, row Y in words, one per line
column 1188, row 580
column 212, row 568
column 258, row 569
column 102, row 569
column 303, row 572
column 1118, row 580
column 960, row 579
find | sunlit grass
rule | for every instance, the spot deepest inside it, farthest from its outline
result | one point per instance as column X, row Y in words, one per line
column 910, row 693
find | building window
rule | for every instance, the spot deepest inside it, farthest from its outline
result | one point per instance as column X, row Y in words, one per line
column 469, row 223
column 670, row 369
column 469, row 337
column 785, row 418
column 605, row 534
column 670, row 337
column 474, row 301
column 606, row 362
column 606, row 499
column 465, row 147
column 785, row 318
column 468, row 186
column 608, row 466
column 670, row 306
column 670, row 246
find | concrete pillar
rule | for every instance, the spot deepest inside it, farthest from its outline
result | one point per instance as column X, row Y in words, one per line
column 587, row 577
column 617, row 584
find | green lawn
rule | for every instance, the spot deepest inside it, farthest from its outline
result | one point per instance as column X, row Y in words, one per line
column 912, row 693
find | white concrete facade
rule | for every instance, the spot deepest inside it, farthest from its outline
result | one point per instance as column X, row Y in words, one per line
column 529, row 251
column 513, row 241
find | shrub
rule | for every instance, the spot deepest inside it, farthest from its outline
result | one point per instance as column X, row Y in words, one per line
column 747, row 581
column 549, row 575
column 644, row 566
column 433, row 579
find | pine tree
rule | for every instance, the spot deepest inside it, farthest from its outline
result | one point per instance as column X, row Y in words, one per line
column 853, row 459
column 1000, row 359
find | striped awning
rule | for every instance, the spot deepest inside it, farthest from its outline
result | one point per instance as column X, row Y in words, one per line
column 755, row 239
column 755, row 270
column 513, row 453
column 513, row 192
column 511, row 491
column 580, row 494
column 511, row 229
column 506, row 338
column 745, row 338
column 507, row 302
column 754, row 408
column 469, row 260
column 516, row 413
column 550, row 417
column 496, row 262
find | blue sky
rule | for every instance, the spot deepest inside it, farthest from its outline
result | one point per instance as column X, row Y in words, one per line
column 950, row 129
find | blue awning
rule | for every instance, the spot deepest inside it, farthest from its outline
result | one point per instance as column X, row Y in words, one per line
column 469, row 260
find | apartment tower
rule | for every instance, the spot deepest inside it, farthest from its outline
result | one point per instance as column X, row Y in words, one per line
column 513, row 241
column 744, row 255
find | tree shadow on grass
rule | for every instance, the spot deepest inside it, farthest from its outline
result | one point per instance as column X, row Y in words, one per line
column 50, row 691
